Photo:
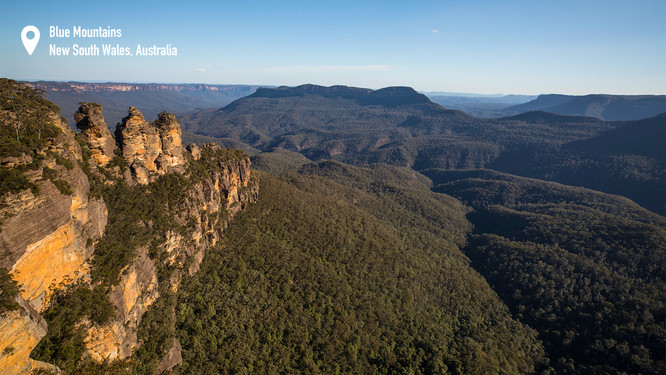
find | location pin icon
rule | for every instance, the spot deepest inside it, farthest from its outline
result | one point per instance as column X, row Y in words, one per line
column 30, row 44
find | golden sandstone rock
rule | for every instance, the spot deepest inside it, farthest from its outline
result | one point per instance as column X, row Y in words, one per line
column 94, row 130
column 20, row 331
column 151, row 149
column 47, row 238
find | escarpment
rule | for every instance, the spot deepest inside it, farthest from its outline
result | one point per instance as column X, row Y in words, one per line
column 57, row 230
column 209, row 192
column 49, row 222
column 20, row 331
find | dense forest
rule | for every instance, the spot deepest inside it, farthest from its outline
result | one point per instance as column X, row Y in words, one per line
column 585, row 269
column 375, row 284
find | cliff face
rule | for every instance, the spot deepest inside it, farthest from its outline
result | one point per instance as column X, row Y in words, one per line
column 46, row 238
column 49, row 228
column 77, row 87
column 20, row 331
column 224, row 189
column 227, row 189
column 93, row 129
column 131, row 298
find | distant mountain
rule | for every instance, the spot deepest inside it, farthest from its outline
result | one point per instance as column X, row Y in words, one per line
column 628, row 160
column 325, row 122
column 485, row 106
column 389, row 96
column 401, row 127
column 605, row 107
column 395, row 125
column 543, row 117
column 150, row 98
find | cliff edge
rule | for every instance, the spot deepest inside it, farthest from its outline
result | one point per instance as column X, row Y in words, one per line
column 67, row 204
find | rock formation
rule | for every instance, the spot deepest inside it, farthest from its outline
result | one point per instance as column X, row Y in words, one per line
column 95, row 132
column 20, row 331
column 194, row 150
column 46, row 239
column 140, row 145
column 48, row 234
column 171, row 159
column 226, row 189
column 211, row 203
column 131, row 298
column 150, row 149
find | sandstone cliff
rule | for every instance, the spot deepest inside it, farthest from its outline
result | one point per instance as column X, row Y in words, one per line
column 53, row 219
column 47, row 237
column 136, row 291
column 20, row 331
column 47, row 232
column 221, row 189
column 171, row 158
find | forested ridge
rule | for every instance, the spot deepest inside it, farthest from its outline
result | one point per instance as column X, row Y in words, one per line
column 319, row 277
column 585, row 269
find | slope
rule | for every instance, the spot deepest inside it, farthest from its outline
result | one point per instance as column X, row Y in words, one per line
column 605, row 107
column 629, row 160
column 583, row 268
column 375, row 284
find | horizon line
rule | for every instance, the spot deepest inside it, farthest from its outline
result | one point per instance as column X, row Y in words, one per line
column 425, row 92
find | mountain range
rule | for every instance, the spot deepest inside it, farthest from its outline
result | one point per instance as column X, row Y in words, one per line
column 150, row 98
column 401, row 127
column 605, row 107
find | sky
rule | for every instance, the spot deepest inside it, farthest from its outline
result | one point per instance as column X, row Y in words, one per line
column 474, row 46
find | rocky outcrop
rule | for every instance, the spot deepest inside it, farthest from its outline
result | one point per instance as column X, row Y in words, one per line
column 136, row 291
column 151, row 149
column 215, row 200
column 20, row 331
column 47, row 238
column 95, row 132
column 140, row 145
column 194, row 150
column 223, row 189
column 171, row 359
column 172, row 158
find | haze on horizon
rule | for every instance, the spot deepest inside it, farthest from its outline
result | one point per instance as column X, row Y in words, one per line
column 486, row 47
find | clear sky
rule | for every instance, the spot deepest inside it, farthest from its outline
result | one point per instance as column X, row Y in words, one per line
column 480, row 46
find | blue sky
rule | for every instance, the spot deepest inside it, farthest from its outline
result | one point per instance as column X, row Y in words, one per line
column 481, row 46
